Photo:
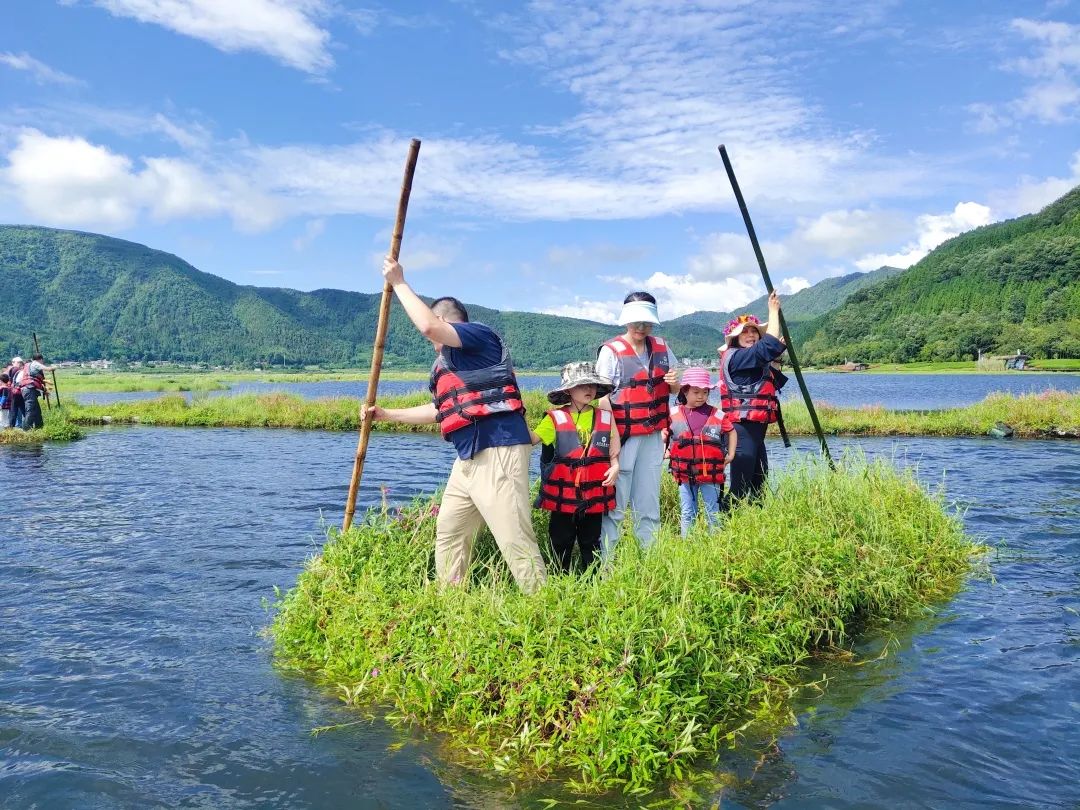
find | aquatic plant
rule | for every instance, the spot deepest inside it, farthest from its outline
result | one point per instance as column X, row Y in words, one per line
column 1051, row 413
column 639, row 672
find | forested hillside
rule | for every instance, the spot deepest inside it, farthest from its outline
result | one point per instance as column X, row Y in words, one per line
column 1013, row 285
column 90, row 296
column 1000, row 288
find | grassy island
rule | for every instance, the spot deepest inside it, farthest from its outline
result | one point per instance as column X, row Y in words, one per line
column 57, row 429
column 638, row 674
column 1049, row 414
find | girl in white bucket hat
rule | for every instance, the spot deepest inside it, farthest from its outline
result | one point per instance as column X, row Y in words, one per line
column 641, row 368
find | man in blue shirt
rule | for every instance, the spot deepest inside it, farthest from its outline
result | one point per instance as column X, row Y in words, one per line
column 476, row 402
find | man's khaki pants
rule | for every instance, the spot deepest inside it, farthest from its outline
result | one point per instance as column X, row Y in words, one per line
column 492, row 487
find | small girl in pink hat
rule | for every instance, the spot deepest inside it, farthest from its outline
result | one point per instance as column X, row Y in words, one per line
column 701, row 442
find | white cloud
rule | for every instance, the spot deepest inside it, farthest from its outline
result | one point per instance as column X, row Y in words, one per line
column 793, row 285
column 313, row 229
column 600, row 311
column 283, row 29
column 69, row 181
column 1054, row 67
column 931, row 231
column 42, row 73
column 1031, row 195
column 844, row 233
column 682, row 294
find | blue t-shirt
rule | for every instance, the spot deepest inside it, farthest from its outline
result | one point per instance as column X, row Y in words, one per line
column 480, row 348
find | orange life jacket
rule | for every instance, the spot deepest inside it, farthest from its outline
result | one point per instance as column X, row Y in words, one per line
column 463, row 397
column 757, row 402
column 640, row 406
column 572, row 483
column 698, row 458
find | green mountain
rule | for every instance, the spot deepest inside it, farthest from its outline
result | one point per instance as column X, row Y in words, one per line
column 999, row 288
column 800, row 307
column 1013, row 285
column 90, row 296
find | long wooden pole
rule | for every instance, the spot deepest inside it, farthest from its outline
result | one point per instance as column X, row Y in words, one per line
column 380, row 335
column 56, row 390
column 769, row 287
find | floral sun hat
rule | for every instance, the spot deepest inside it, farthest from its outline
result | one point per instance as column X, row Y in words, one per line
column 736, row 326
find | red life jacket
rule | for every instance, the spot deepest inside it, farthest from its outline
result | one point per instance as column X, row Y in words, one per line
column 572, row 483
column 698, row 458
column 640, row 405
column 28, row 379
column 756, row 402
column 463, row 397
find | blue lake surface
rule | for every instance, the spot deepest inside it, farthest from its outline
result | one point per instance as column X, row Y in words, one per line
column 134, row 673
column 900, row 391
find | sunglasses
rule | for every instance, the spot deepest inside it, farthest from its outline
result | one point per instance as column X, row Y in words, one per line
column 639, row 326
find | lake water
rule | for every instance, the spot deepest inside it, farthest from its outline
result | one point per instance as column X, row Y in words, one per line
column 133, row 672
column 901, row 391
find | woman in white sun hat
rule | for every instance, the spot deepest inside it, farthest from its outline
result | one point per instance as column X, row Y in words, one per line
column 641, row 368
column 750, row 393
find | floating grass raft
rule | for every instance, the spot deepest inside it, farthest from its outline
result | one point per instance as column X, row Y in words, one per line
column 57, row 429
column 640, row 673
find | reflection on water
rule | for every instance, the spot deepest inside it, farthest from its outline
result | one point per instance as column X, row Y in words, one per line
column 133, row 672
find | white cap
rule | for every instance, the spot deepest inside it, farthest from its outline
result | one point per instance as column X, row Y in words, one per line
column 17, row 360
column 638, row 312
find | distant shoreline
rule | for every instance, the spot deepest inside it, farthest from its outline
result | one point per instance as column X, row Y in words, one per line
column 1052, row 414
column 167, row 380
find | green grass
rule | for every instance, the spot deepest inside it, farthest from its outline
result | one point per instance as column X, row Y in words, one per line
column 1049, row 414
column 640, row 674
column 1052, row 413
column 1056, row 365
column 75, row 380
column 58, row 428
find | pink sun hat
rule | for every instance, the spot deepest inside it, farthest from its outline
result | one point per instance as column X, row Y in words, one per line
column 697, row 377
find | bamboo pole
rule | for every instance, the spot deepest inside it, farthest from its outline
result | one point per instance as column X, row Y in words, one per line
column 783, row 324
column 56, row 389
column 380, row 335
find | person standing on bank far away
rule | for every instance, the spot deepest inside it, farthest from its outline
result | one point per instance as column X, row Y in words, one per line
column 18, row 404
column 642, row 370
column 30, row 382
column 477, row 404
column 750, row 393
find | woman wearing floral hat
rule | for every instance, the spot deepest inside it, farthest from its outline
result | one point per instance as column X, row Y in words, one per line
column 749, row 393
column 641, row 368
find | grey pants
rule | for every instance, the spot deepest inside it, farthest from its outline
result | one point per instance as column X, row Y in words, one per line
column 33, row 410
column 638, row 489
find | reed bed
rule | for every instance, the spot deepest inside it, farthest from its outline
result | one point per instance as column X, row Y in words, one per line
column 643, row 671
column 1049, row 414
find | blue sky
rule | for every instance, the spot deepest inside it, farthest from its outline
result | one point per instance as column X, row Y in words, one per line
column 569, row 149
